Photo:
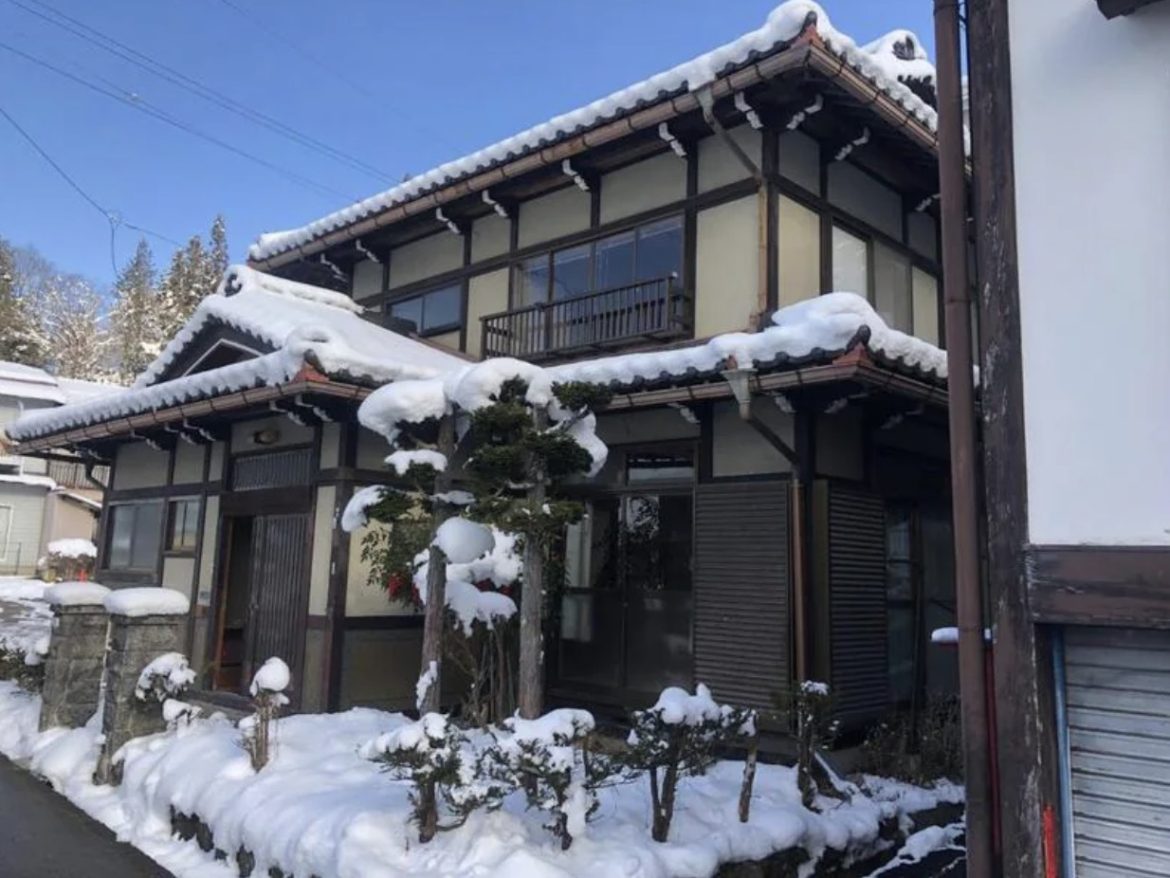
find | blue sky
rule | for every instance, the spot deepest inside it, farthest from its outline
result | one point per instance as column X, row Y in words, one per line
column 402, row 86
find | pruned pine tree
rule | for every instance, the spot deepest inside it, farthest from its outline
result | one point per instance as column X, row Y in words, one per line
column 21, row 339
column 522, row 454
column 78, row 341
column 135, row 318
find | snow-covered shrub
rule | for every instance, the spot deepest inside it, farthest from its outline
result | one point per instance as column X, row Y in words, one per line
column 549, row 758
column 268, row 696
column 167, row 676
column 678, row 737
column 68, row 560
column 815, row 729
column 432, row 753
column 26, row 668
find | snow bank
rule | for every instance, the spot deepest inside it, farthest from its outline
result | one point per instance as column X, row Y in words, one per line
column 26, row 621
column 462, row 541
column 273, row 676
column 72, row 548
column 824, row 325
column 878, row 62
column 76, row 594
column 147, row 601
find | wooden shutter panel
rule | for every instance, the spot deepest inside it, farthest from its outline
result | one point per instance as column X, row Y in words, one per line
column 280, row 587
column 858, row 674
column 741, row 591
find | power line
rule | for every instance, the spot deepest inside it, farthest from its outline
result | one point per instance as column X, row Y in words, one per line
column 138, row 103
column 157, row 68
column 114, row 219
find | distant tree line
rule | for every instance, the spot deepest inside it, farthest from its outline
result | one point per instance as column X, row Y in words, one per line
column 66, row 324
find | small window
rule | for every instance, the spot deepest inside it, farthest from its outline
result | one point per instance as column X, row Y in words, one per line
column 850, row 263
column 134, row 533
column 891, row 288
column 436, row 311
column 183, row 525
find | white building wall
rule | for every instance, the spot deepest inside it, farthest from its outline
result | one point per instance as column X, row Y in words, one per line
column 1090, row 101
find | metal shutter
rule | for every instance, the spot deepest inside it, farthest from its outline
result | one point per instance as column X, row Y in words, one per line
column 1118, row 695
column 741, row 591
column 857, row 606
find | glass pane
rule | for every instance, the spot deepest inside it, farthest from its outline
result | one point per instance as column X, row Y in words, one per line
column 614, row 266
column 850, row 263
column 657, row 531
column 591, row 631
column 925, row 306
column 571, row 272
column 532, row 281
column 891, row 286
column 897, row 534
column 147, row 531
column 660, row 247
column 442, row 307
column 644, row 467
column 658, row 642
column 411, row 310
column 121, row 529
column 799, row 252
column 901, row 652
column 591, row 547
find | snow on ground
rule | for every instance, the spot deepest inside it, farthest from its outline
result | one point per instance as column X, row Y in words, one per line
column 25, row 617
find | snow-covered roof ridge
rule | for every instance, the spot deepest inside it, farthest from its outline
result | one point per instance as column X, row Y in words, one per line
column 815, row 329
column 305, row 325
column 881, row 61
column 31, row 382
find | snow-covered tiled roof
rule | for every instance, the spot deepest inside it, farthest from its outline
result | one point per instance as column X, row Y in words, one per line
column 888, row 62
column 302, row 323
column 29, row 382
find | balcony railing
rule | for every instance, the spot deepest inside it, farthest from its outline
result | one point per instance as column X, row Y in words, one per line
column 651, row 309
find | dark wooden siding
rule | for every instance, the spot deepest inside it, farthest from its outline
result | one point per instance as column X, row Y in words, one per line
column 280, row 590
column 741, row 591
column 857, row 605
column 274, row 469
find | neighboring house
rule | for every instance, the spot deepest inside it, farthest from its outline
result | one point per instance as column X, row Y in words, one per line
column 41, row 500
column 799, row 531
column 1076, row 287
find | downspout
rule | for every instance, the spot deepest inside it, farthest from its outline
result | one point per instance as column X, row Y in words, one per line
column 1064, row 764
column 964, row 486
column 739, row 379
column 707, row 105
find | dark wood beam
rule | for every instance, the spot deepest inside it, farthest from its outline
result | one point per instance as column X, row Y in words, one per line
column 1100, row 585
column 1114, row 8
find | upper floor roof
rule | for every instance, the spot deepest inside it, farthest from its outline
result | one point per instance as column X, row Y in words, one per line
column 891, row 73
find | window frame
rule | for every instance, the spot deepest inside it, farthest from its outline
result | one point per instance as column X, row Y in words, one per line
column 173, row 505
column 460, row 289
column 108, row 537
column 6, row 532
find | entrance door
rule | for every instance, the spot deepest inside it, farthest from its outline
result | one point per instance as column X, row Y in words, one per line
column 263, row 599
column 280, row 591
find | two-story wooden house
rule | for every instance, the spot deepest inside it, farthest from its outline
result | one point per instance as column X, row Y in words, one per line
column 771, row 510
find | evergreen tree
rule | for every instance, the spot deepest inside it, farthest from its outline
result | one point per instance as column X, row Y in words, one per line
column 173, row 295
column 137, row 338
column 217, row 253
column 194, row 274
column 21, row 339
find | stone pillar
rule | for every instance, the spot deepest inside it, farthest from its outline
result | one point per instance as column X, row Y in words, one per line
column 144, row 624
column 77, row 651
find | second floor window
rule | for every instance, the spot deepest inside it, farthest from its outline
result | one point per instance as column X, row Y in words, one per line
column 645, row 253
column 434, row 311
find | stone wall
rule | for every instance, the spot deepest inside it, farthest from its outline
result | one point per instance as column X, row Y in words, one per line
column 77, row 649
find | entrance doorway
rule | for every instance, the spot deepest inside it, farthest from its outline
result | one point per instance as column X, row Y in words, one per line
column 262, row 599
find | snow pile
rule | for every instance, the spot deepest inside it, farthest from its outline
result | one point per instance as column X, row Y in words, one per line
column 881, row 62
column 471, row 591
column 273, row 677
column 76, row 594
column 426, row 680
column 72, row 547
column 922, row 844
column 950, row 636
column 166, row 676
column 321, row 807
column 462, row 541
column 26, row 621
column 403, row 402
column 823, row 326
column 679, row 707
column 556, row 730
column 401, row 461
column 147, row 601
column 27, row 480
column 355, row 514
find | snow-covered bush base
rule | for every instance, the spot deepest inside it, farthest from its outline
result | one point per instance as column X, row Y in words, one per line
column 320, row 808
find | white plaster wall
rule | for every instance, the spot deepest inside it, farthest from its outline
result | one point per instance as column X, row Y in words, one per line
column 367, row 279
column 432, row 255
column 551, row 216
column 1091, row 109
column 137, row 465
column 208, row 549
column 178, row 573
column 324, row 520
column 737, row 449
column 486, row 294
column 363, row 597
column 718, row 163
column 489, row 236
column 642, row 186
column 727, row 272
column 188, row 463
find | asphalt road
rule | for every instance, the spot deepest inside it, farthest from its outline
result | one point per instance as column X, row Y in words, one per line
column 42, row 835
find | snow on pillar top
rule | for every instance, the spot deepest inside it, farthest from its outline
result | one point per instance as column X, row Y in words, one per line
column 147, row 601
column 76, row 594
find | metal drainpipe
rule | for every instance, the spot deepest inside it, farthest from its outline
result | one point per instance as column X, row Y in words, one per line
column 1064, row 766
column 964, row 486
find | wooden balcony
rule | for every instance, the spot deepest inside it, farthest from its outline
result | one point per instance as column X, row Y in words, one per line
column 648, row 310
